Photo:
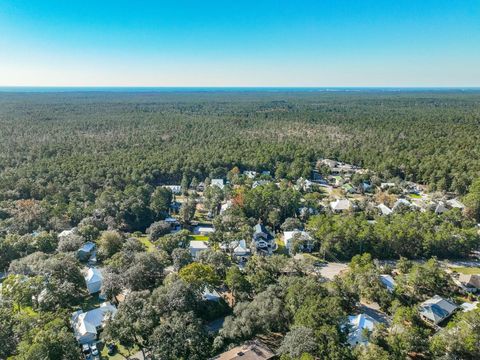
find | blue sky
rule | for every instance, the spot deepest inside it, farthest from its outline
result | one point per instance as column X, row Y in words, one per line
column 240, row 43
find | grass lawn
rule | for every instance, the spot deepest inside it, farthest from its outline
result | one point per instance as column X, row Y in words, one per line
column 121, row 354
column 468, row 270
column 415, row 196
column 199, row 237
column 281, row 249
column 148, row 244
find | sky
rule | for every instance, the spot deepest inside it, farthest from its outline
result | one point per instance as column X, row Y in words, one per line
column 384, row 43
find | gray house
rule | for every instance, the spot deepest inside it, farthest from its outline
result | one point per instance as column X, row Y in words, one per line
column 436, row 309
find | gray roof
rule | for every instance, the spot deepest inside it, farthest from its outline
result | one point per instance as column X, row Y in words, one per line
column 437, row 309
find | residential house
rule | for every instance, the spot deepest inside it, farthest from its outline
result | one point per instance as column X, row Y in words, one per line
column 201, row 186
column 210, row 295
column 386, row 185
column 218, row 183
column 253, row 350
column 250, row 174
column 263, row 241
column 401, row 203
column 94, row 279
column 348, row 188
column 259, row 183
column 86, row 325
column 303, row 236
column 238, row 249
column 175, row 189
column 203, row 230
column 359, row 325
column 455, row 203
column 384, row 209
column 67, row 233
column 440, row 208
column 226, row 206
column 86, row 251
column 436, row 309
column 340, row 205
column 196, row 247
column 466, row 307
column 388, row 281
column 336, row 180
column 470, row 282
column 241, row 252
column 174, row 224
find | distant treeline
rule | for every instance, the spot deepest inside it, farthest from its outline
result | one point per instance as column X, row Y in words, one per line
column 66, row 147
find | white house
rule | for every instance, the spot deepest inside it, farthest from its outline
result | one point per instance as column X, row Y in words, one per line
column 226, row 206
column 384, row 209
column 94, row 279
column 196, row 247
column 288, row 237
column 218, row 183
column 241, row 251
column 87, row 324
column 175, row 189
column 358, row 325
column 341, row 205
column 455, row 203
column 401, row 203
column 203, row 230
column 250, row 174
column 67, row 233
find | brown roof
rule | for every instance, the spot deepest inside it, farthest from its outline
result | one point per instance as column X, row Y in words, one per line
column 470, row 280
column 247, row 351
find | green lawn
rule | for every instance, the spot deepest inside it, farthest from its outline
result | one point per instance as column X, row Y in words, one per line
column 281, row 249
column 199, row 237
column 121, row 354
column 148, row 244
column 415, row 196
column 467, row 270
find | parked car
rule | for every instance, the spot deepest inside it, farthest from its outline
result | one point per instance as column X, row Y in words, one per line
column 86, row 351
column 111, row 349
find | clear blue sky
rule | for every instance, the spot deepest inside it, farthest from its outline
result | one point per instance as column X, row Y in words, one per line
column 240, row 43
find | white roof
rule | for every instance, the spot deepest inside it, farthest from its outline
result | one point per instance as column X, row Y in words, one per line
column 288, row 236
column 384, row 209
column 241, row 249
column 440, row 208
column 93, row 275
column 250, row 174
column 455, row 203
column 198, row 245
column 388, row 281
column 217, row 182
column 341, row 204
column 358, row 323
column 88, row 322
column 469, row 306
column 204, row 229
column 66, row 233
column 226, row 206
column 403, row 202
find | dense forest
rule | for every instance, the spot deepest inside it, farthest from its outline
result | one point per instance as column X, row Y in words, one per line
column 81, row 198
column 65, row 149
